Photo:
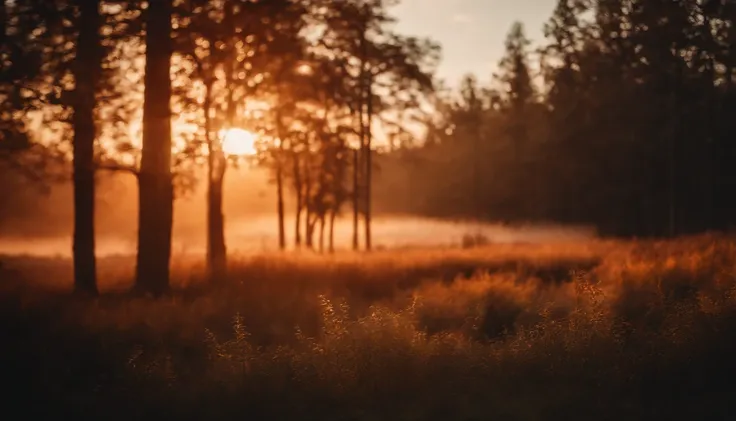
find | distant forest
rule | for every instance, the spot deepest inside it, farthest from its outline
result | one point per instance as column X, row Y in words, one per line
column 631, row 129
column 620, row 119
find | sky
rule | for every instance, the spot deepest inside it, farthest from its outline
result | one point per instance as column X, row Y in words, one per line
column 471, row 32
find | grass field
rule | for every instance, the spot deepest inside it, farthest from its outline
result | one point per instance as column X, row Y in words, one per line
column 590, row 330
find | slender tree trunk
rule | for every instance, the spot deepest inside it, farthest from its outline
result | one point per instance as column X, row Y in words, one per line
column 87, row 69
column 309, row 235
column 368, row 166
column 298, row 223
column 361, row 157
column 280, row 204
column 280, row 181
column 322, row 234
column 156, row 192
column 299, row 203
column 216, row 249
column 331, row 240
column 308, row 227
column 356, row 196
column 365, row 112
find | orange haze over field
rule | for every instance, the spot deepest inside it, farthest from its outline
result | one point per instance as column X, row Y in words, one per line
column 45, row 227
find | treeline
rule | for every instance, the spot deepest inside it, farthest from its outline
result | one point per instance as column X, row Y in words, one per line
column 629, row 125
column 151, row 88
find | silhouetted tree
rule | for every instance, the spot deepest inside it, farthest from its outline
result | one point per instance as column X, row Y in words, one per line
column 87, row 72
column 156, row 192
column 518, row 91
column 360, row 32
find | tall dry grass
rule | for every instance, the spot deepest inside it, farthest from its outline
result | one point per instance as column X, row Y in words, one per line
column 604, row 330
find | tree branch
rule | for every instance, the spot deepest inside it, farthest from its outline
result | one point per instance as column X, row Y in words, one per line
column 116, row 167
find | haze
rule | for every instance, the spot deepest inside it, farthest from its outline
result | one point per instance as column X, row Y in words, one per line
column 40, row 223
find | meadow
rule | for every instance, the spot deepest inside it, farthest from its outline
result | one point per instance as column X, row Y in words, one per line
column 571, row 330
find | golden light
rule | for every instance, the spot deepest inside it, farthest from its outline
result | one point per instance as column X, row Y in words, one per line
column 304, row 69
column 238, row 142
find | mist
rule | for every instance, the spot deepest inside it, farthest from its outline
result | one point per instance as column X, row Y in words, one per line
column 40, row 222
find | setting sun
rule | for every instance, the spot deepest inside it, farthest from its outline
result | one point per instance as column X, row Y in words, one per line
column 238, row 142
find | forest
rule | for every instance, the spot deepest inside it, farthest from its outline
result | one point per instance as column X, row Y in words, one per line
column 310, row 80
column 622, row 120
column 618, row 119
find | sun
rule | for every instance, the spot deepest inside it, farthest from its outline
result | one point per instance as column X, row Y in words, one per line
column 238, row 142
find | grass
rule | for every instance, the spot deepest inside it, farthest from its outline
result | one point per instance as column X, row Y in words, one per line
column 598, row 330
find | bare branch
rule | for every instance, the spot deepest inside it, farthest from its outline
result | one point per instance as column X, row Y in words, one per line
column 117, row 167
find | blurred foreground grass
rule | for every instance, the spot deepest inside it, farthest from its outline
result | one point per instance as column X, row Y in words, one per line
column 599, row 330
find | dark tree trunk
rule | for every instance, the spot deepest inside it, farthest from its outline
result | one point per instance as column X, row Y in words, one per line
column 322, row 234
column 213, row 208
column 309, row 237
column 356, row 196
column 368, row 165
column 280, row 181
column 364, row 112
column 299, row 203
column 280, row 204
column 298, row 223
column 331, row 240
column 87, row 69
column 216, row 249
column 156, row 192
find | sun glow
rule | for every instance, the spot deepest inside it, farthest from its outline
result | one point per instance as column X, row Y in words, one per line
column 238, row 142
column 304, row 69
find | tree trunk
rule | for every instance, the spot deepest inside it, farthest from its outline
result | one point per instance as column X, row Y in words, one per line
column 365, row 110
column 311, row 228
column 307, row 198
column 298, row 222
column 322, row 234
column 213, row 222
column 280, row 180
column 156, row 192
column 309, row 235
column 87, row 69
column 356, row 201
column 331, row 240
column 216, row 248
column 368, row 165
column 280, row 203
column 299, row 203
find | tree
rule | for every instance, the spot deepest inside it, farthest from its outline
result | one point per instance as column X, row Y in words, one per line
column 87, row 71
column 472, row 107
column 360, row 34
column 156, row 193
column 22, row 86
column 518, row 91
column 44, row 58
column 211, row 27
